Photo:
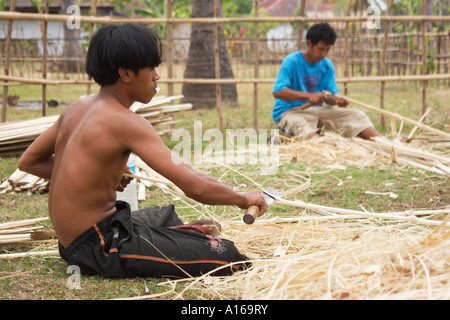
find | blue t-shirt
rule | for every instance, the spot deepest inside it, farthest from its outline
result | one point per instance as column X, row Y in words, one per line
column 298, row 74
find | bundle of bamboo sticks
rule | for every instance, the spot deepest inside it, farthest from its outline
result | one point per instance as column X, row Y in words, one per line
column 24, row 231
column 16, row 137
column 21, row 181
column 409, row 155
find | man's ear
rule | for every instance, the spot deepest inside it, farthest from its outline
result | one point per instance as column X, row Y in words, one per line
column 125, row 74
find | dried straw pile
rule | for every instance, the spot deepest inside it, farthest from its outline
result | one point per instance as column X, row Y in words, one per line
column 337, row 152
column 315, row 259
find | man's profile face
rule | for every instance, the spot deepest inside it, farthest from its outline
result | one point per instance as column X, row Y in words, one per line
column 318, row 51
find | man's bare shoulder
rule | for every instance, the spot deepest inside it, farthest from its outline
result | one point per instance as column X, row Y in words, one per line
column 97, row 107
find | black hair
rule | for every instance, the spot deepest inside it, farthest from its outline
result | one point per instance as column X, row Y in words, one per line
column 321, row 32
column 127, row 45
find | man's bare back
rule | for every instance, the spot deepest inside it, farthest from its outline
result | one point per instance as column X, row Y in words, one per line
column 83, row 192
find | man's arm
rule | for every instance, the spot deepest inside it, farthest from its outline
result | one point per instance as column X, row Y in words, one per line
column 144, row 141
column 287, row 94
column 38, row 158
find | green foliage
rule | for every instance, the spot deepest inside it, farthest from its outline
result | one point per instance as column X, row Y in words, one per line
column 156, row 9
column 3, row 4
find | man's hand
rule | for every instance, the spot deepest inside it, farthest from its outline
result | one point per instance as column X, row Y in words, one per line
column 255, row 198
column 317, row 98
column 340, row 102
column 125, row 180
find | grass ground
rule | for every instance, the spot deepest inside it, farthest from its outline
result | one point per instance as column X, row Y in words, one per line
column 46, row 277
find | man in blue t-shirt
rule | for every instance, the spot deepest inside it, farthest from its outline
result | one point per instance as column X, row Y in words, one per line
column 301, row 81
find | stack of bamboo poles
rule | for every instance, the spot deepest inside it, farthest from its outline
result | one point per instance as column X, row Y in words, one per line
column 16, row 137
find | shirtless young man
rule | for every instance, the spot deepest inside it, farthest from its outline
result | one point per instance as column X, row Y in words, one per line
column 84, row 154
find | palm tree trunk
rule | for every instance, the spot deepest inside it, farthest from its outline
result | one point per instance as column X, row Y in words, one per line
column 71, row 50
column 200, row 63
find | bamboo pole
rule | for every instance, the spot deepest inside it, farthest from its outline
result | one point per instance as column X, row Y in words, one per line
column 169, row 50
column 383, row 63
column 400, row 216
column 31, row 81
column 397, row 116
column 346, row 49
column 301, row 26
column 424, row 60
column 92, row 20
column 7, row 57
column 217, row 66
column 91, row 33
column 29, row 254
column 21, row 223
column 44, row 62
column 150, row 179
column 256, row 71
column 108, row 20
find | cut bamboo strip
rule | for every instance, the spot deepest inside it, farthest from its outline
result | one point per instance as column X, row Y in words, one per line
column 29, row 254
column 401, row 160
column 150, row 179
column 12, row 238
column 400, row 216
column 416, row 127
column 407, row 150
column 15, row 224
column 20, row 230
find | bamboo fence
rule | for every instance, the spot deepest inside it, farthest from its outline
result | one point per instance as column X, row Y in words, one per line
column 170, row 21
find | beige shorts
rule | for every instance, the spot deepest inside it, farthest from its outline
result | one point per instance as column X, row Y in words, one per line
column 347, row 122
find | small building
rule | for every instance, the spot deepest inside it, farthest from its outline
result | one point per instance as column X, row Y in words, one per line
column 30, row 31
column 284, row 37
